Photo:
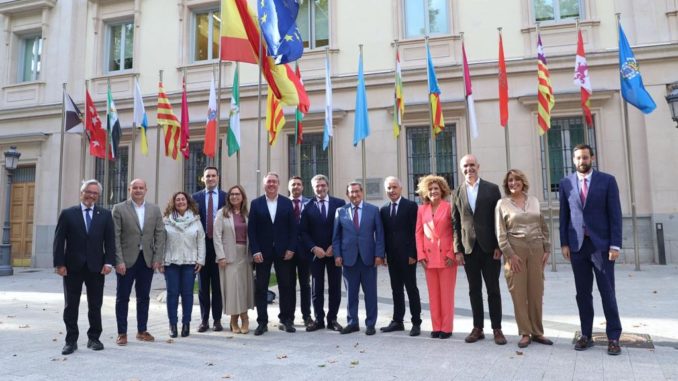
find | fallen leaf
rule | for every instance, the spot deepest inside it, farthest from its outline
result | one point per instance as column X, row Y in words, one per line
column 209, row 363
column 519, row 353
column 24, row 326
column 355, row 345
column 355, row 362
column 11, row 316
column 362, row 351
column 169, row 341
column 331, row 361
column 321, row 366
column 226, row 376
column 654, row 292
column 281, row 356
column 54, row 339
column 59, row 358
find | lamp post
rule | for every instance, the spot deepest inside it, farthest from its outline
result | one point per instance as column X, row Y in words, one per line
column 672, row 100
column 11, row 161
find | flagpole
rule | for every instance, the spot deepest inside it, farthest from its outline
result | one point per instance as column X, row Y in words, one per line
column 134, row 135
column 83, row 141
column 108, row 137
column 430, row 115
column 507, row 140
column 629, row 164
column 237, row 153
column 396, row 114
column 61, row 145
column 468, row 111
column 157, row 155
column 297, row 152
column 216, row 141
column 362, row 142
column 583, row 116
column 330, row 156
column 259, row 117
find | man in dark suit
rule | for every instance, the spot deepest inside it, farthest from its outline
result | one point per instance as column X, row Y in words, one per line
column 317, row 224
column 302, row 264
column 84, row 252
column 476, row 246
column 399, row 217
column 210, row 200
column 358, row 244
column 591, row 238
column 272, row 232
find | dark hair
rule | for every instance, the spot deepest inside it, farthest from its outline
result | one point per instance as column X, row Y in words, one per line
column 518, row 174
column 210, row 167
column 352, row 183
column 295, row 178
column 192, row 205
column 583, row 146
column 226, row 210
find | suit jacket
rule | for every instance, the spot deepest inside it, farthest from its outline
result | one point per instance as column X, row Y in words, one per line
column 399, row 241
column 129, row 236
column 224, row 238
column 366, row 242
column 199, row 197
column 299, row 246
column 601, row 215
column 75, row 248
column 315, row 229
column 272, row 239
column 434, row 235
column 471, row 227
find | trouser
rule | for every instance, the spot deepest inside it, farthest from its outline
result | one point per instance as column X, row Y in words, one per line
column 480, row 266
column 209, row 289
column 318, row 268
column 72, row 291
column 302, row 267
column 441, row 283
column 284, row 272
column 527, row 286
column 357, row 276
column 179, row 280
column 404, row 275
column 140, row 276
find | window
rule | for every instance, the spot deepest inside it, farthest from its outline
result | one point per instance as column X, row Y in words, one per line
column 565, row 133
column 313, row 23
column 556, row 10
column 419, row 156
column 195, row 165
column 117, row 178
column 206, row 28
column 29, row 62
column 313, row 159
column 426, row 17
column 120, row 46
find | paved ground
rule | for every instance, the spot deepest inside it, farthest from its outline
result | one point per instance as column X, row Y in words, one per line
column 32, row 334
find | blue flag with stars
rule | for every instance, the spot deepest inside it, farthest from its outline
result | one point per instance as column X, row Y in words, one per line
column 277, row 19
column 632, row 88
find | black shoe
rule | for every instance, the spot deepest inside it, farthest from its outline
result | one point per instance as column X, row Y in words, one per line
column 393, row 326
column 261, row 328
column 308, row 321
column 613, row 348
column 69, row 348
column 203, row 327
column 415, row 331
column 314, row 326
column 445, row 335
column 334, row 326
column 185, row 330
column 435, row 334
column 95, row 345
column 370, row 331
column 350, row 329
column 583, row 343
column 217, row 326
column 287, row 327
column 173, row 330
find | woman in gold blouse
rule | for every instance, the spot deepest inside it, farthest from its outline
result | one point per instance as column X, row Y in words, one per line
column 524, row 240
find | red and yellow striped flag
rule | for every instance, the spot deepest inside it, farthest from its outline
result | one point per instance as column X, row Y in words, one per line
column 399, row 102
column 545, row 98
column 275, row 118
column 169, row 122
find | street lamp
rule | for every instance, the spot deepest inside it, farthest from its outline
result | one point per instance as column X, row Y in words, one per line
column 672, row 100
column 11, row 161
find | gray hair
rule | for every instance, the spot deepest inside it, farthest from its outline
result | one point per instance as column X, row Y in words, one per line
column 388, row 179
column 86, row 183
column 274, row 174
column 319, row 177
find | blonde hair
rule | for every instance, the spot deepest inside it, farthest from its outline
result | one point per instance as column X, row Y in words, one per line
column 426, row 181
column 520, row 175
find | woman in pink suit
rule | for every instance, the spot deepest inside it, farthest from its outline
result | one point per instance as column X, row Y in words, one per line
column 435, row 251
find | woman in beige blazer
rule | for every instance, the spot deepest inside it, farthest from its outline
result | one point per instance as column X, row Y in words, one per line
column 235, row 262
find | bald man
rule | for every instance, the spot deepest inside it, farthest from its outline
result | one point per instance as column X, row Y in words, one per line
column 139, row 250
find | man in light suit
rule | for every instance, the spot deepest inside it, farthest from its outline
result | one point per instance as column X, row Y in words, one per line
column 139, row 250
column 399, row 217
column 358, row 244
column 272, row 232
column 476, row 246
column 591, row 238
column 302, row 265
column 317, row 224
column 84, row 252
column 209, row 201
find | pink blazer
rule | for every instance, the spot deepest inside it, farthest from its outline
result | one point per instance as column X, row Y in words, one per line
column 434, row 234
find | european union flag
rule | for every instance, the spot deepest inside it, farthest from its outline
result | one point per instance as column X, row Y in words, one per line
column 632, row 88
column 361, row 125
column 277, row 19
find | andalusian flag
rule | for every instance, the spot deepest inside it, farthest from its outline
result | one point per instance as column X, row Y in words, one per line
column 169, row 122
column 299, row 115
column 545, row 98
column 438, row 123
column 582, row 79
column 275, row 118
column 140, row 118
column 233, row 137
column 399, row 102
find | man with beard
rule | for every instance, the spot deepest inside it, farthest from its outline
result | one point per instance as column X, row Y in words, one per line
column 591, row 238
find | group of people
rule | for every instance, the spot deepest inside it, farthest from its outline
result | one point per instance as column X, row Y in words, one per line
column 233, row 246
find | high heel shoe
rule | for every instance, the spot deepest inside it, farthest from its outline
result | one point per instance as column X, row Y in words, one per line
column 173, row 330
column 245, row 328
column 234, row 324
column 185, row 330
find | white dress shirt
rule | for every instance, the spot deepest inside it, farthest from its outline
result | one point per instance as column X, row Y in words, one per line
column 141, row 213
column 272, row 207
column 472, row 194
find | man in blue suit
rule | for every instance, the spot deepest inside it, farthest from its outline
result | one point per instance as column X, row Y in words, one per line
column 302, row 266
column 210, row 200
column 358, row 244
column 272, row 232
column 591, row 238
column 317, row 224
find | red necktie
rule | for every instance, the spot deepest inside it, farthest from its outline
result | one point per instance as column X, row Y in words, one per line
column 297, row 209
column 584, row 192
column 210, row 214
column 356, row 220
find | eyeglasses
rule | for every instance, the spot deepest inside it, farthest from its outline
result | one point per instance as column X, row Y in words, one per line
column 234, row 194
column 91, row 193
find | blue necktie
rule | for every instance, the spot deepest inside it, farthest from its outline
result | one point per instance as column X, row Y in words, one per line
column 88, row 219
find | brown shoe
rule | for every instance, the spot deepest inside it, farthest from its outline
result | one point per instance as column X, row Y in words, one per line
column 235, row 328
column 524, row 341
column 245, row 328
column 475, row 335
column 121, row 340
column 145, row 336
column 499, row 338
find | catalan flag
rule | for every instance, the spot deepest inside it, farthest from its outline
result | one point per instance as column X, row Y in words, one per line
column 582, row 79
column 169, row 122
column 437, row 122
column 275, row 118
column 399, row 101
column 545, row 97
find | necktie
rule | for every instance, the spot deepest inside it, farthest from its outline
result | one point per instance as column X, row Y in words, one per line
column 210, row 214
column 356, row 220
column 393, row 209
column 323, row 211
column 584, row 192
column 88, row 219
column 297, row 209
